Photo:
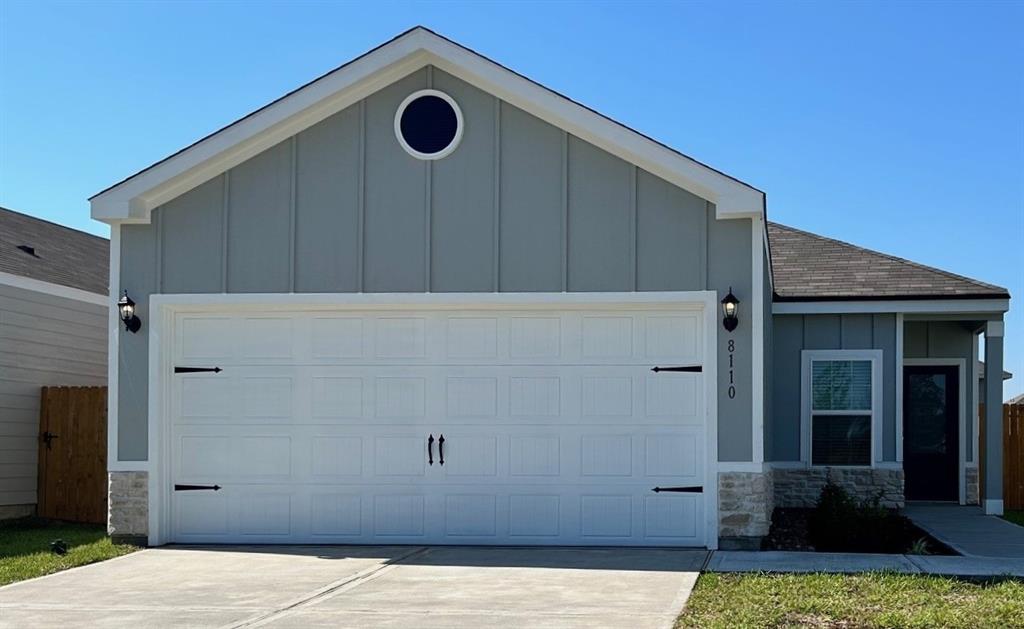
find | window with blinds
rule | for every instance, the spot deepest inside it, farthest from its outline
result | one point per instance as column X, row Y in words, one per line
column 841, row 412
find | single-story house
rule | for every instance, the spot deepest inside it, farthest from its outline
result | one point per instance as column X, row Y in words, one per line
column 423, row 299
column 53, row 332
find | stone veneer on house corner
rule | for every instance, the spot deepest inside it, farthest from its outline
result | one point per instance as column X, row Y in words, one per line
column 128, row 506
column 746, row 499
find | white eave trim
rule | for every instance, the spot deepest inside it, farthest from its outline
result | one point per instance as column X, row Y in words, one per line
column 133, row 199
column 49, row 288
column 944, row 306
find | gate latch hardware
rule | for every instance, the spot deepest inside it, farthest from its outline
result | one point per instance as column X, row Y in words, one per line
column 688, row 368
column 683, row 490
column 196, row 487
column 197, row 369
column 48, row 438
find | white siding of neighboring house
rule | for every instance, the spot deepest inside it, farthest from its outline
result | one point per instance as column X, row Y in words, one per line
column 44, row 341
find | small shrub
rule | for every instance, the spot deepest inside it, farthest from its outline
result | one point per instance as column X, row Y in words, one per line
column 919, row 547
column 833, row 521
column 839, row 523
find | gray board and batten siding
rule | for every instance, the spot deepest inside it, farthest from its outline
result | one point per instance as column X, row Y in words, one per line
column 791, row 335
column 520, row 206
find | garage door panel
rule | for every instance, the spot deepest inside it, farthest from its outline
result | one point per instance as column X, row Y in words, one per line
column 205, row 337
column 267, row 338
column 471, row 338
column 402, row 455
column 399, row 515
column 263, row 514
column 472, row 514
column 336, row 514
column 555, row 429
column 677, row 454
column 201, row 514
column 535, row 515
column 534, row 455
column 337, row 338
column 674, row 517
column 336, row 457
column 604, row 515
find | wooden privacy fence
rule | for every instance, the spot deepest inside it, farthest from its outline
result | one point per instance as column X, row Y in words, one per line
column 73, row 454
column 1013, row 455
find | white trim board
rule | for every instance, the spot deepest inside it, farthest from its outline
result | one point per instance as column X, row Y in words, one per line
column 757, row 341
column 164, row 308
column 134, row 198
column 966, row 306
column 54, row 290
column 899, row 386
column 961, row 365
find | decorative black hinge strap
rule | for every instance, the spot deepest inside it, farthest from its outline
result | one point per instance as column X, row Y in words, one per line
column 689, row 368
column 197, row 369
column 682, row 490
column 197, row 488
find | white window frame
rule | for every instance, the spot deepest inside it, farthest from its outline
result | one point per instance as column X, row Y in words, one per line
column 459, row 125
column 808, row 357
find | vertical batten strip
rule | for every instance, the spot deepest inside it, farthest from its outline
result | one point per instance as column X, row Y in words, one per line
column 224, row 232
column 705, row 244
column 496, row 227
column 428, row 223
column 428, row 203
column 160, row 250
column 361, row 199
column 634, row 230
column 565, row 212
column 292, row 200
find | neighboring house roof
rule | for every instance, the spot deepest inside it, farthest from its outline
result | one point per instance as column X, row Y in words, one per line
column 47, row 252
column 981, row 371
column 808, row 267
column 1016, row 400
column 132, row 199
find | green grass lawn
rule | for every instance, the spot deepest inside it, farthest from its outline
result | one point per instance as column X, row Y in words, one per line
column 868, row 600
column 25, row 547
column 1017, row 517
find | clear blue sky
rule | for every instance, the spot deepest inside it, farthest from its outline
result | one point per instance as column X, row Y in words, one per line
column 896, row 126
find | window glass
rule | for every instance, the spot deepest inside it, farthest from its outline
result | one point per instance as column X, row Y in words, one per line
column 841, row 440
column 841, row 385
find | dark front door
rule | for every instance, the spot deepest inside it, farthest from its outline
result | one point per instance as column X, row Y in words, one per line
column 931, row 444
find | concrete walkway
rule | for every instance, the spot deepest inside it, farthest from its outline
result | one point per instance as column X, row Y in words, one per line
column 852, row 563
column 968, row 530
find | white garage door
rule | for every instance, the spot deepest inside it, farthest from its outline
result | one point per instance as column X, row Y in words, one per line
column 327, row 427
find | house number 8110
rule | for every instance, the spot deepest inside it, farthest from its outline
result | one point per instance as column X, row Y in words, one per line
column 732, row 380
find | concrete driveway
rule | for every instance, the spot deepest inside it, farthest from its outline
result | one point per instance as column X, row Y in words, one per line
column 337, row 586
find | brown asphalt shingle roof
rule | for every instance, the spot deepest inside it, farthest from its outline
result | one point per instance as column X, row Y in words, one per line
column 808, row 267
column 62, row 255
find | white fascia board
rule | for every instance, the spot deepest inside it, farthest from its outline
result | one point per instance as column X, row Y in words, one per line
column 943, row 306
column 133, row 199
column 428, row 301
column 55, row 290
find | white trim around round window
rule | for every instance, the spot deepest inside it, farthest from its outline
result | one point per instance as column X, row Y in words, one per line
column 459, row 125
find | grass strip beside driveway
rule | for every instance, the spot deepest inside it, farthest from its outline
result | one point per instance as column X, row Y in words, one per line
column 864, row 600
column 1017, row 517
column 25, row 547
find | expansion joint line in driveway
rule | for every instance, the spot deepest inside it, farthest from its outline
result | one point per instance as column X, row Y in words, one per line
column 330, row 589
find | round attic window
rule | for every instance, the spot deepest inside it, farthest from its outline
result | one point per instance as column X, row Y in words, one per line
column 428, row 124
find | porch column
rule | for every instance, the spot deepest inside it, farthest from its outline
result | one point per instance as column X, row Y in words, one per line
column 993, row 445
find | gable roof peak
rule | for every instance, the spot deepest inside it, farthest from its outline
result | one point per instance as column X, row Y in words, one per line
column 132, row 199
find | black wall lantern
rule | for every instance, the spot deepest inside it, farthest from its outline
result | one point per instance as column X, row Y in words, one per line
column 126, row 307
column 730, row 306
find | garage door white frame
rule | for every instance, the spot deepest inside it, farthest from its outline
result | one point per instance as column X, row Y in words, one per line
column 164, row 308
